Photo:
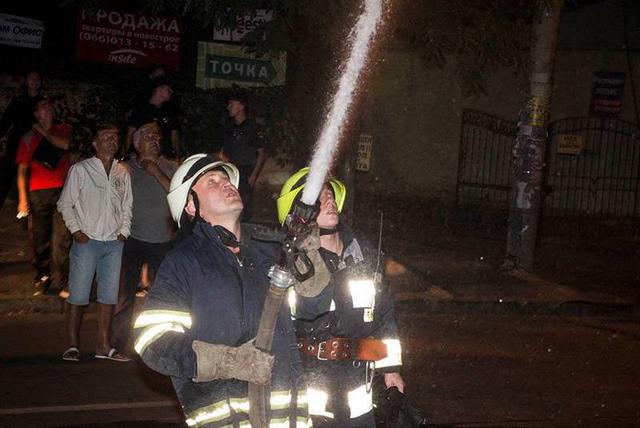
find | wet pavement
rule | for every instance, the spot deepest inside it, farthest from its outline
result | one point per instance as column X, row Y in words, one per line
column 461, row 371
column 481, row 347
column 446, row 272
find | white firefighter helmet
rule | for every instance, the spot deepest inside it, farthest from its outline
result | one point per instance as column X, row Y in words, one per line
column 186, row 175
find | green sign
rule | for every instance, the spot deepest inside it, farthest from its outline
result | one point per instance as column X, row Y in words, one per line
column 221, row 65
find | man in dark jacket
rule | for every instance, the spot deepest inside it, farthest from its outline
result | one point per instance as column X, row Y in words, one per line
column 204, row 308
column 243, row 145
column 347, row 331
column 16, row 121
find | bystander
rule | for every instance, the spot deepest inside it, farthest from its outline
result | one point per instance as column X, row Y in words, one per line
column 16, row 121
column 152, row 227
column 96, row 206
column 43, row 163
column 244, row 146
column 157, row 109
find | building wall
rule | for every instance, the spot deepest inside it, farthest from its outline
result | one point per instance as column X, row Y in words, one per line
column 414, row 113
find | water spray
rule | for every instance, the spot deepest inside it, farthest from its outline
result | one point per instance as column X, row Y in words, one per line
column 284, row 276
column 325, row 147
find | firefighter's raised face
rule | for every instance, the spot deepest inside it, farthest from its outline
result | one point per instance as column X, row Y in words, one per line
column 218, row 198
column 328, row 218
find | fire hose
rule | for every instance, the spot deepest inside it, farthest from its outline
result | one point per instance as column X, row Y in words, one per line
column 282, row 276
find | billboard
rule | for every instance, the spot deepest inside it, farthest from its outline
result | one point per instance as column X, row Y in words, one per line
column 606, row 93
column 243, row 26
column 128, row 39
column 20, row 32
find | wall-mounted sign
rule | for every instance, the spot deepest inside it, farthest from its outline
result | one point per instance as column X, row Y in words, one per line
column 20, row 31
column 243, row 25
column 365, row 149
column 222, row 66
column 128, row 39
column 606, row 96
column 569, row 144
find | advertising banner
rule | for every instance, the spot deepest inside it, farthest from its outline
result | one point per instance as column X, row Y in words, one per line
column 128, row 39
column 606, row 96
column 222, row 66
column 21, row 32
column 243, row 25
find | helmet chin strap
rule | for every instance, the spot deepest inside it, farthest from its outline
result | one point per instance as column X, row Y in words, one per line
column 324, row 232
column 196, row 204
column 337, row 228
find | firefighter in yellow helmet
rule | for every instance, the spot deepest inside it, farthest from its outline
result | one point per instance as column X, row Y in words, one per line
column 347, row 332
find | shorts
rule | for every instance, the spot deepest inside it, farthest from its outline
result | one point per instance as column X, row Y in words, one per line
column 100, row 258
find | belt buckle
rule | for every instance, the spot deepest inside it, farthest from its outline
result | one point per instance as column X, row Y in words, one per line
column 321, row 348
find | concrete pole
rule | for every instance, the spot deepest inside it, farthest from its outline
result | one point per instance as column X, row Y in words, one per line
column 530, row 149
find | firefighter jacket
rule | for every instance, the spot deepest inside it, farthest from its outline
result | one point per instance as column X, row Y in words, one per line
column 202, row 291
column 352, row 305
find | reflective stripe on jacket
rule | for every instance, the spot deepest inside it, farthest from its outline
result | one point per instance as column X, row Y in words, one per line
column 352, row 305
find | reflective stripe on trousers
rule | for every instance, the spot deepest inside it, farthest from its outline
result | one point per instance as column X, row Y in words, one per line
column 360, row 402
column 223, row 413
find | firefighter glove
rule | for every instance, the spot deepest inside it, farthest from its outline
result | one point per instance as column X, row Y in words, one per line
column 314, row 285
column 312, row 239
column 245, row 362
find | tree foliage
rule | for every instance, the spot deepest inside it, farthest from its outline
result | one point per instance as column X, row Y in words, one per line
column 476, row 36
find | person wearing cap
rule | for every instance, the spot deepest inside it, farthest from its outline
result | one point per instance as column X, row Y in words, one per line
column 244, row 146
column 152, row 227
column 157, row 109
column 96, row 206
column 347, row 331
column 203, row 311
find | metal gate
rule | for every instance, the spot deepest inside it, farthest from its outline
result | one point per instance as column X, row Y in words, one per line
column 593, row 169
column 484, row 168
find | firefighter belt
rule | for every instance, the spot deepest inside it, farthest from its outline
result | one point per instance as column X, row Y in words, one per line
column 344, row 348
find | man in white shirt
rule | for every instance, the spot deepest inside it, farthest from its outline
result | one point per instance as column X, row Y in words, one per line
column 96, row 204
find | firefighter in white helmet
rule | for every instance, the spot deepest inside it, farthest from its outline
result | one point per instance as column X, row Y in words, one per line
column 347, row 332
column 203, row 310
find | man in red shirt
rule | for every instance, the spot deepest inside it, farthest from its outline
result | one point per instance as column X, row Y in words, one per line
column 43, row 156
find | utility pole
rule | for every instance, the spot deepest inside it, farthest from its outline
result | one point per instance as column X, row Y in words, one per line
column 529, row 152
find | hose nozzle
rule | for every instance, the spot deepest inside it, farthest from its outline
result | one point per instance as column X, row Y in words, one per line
column 303, row 213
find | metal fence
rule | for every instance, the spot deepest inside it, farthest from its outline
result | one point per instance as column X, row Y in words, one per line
column 484, row 168
column 593, row 169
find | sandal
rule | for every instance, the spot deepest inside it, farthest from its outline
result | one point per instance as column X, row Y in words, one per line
column 71, row 354
column 114, row 355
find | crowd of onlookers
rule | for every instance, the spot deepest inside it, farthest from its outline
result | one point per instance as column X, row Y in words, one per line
column 105, row 220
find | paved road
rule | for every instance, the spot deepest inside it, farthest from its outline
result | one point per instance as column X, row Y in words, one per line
column 475, row 370
column 524, row 371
